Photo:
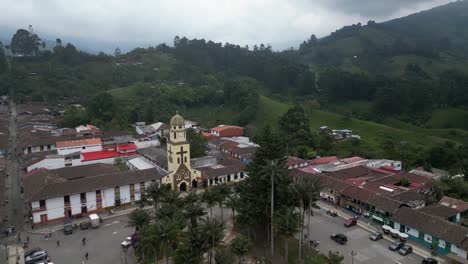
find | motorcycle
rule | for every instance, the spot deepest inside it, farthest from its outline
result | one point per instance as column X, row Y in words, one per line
column 332, row 213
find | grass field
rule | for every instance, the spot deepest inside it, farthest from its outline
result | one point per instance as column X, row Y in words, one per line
column 373, row 134
column 449, row 118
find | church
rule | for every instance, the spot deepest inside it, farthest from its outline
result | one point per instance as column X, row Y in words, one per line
column 185, row 174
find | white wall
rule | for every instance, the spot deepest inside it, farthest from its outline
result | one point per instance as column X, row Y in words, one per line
column 50, row 164
column 458, row 251
column 88, row 148
column 108, row 198
column 396, row 226
column 413, row 232
column 91, row 201
column 75, row 204
column 428, row 238
column 125, row 194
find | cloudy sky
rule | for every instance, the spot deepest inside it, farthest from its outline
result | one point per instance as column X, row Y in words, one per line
column 281, row 23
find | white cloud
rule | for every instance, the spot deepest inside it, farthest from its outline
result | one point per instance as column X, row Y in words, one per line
column 244, row 22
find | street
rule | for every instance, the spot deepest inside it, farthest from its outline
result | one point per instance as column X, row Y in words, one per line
column 367, row 251
column 102, row 244
column 15, row 205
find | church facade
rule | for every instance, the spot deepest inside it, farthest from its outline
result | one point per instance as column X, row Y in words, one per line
column 182, row 176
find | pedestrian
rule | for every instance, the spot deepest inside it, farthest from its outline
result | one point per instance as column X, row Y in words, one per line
column 318, row 243
column 27, row 239
column 305, row 235
column 58, row 243
column 86, row 255
column 19, row 237
column 83, row 241
column 46, row 236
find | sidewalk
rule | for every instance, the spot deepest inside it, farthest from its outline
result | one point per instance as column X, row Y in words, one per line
column 418, row 250
column 40, row 230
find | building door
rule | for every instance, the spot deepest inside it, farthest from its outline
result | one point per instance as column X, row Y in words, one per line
column 183, row 187
column 43, row 218
column 99, row 200
column 194, row 183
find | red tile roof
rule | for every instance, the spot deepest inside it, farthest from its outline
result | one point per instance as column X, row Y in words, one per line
column 295, row 161
column 79, row 142
column 456, row 204
column 225, row 127
column 97, row 155
column 323, row 160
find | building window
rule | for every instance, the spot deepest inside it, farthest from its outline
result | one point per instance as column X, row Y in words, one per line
column 42, row 204
column 83, row 197
column 178, row 160
column 66, row 200
column 48, row 147
column 117, row 195
column 185, row 159
column 174, row 135
column 132, row 192
column 41, row 148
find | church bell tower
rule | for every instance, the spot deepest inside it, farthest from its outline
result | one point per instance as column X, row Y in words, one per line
column 178, row 155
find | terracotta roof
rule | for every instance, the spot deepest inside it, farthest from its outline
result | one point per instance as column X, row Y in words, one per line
column 459, row 205
column 441, row 211
column 45, row 184
column 385, row 203
column 355, row 172
column 79, row 142
column 225, row 127
column 433, row 225
column 295, row 161
column 223, row 167
column 323, row 160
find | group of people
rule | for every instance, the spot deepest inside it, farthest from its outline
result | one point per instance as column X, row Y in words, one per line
column 312, row 243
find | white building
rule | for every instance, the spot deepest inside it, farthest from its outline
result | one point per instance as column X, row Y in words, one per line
column 54, row 195
column 384, row 163
column 80, row 145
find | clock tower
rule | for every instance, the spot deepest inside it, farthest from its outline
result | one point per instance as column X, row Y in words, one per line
column 178, row 156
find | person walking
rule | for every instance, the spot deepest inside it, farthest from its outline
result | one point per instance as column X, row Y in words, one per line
column 58, row 243
column 86, row 255
column 27, row 239
column 83, row 241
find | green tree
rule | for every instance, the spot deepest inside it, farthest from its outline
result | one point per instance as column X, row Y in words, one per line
column 157, row 192
column 214, row 228
column 25, row 43
column 149, row 114
column 210, row 197
column 286, row 223
column 295, row 128
column 240, row 245
column 223, row 256
column 308, row 191
column 3, row 63
column 119, row 163
column 223, row 192
column 139, row 218
column 233, row 203
column 75, row 116
column 167, row 232
column 197, row 143
column 101, row 107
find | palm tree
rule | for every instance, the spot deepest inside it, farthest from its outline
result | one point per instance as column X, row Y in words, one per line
column 167, row 232
column 157, row 193
column 286, row 223
column 138, row 218
column 222, row 192
column 210, row 197
column 233, row 203
column 192, row 212
column 271, row 169
column 240, row 245
column 307, row 190
column 149, row 242
column 214, row 228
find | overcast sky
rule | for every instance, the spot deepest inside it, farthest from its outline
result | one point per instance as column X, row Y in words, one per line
column 281, row 23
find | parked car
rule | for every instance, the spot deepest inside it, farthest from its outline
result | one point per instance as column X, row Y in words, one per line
column 376, row 236
column 67, row 227
column 339, row 238
column 127, row 242
column 350, row 222
column 84, row 225
column 405, row 250
column 429, row 261
column 396, row 245
column 36, row 257
column 31, row 251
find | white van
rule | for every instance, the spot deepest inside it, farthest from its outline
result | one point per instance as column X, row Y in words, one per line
column 94, row 219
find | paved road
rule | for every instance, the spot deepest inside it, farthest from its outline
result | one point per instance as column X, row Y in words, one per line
column 15, row 208
column 367, row 251
column 102, row 244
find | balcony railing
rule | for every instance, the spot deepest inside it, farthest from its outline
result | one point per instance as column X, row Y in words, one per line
column 39, row 209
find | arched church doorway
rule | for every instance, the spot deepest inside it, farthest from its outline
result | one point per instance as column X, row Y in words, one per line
column 194, row 183
column 183, row 187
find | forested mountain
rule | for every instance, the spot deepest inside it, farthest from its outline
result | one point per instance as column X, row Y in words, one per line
column 406, row 78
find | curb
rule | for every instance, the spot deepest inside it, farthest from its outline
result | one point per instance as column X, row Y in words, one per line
column 27, row 228
column 416, row 249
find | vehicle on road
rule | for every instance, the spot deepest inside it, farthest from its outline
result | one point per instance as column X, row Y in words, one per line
column 127, row 242
column 376, row 236
column 339, row 238
column 429, row 261
column 67, row 226
column 350, row 222
column 94, row 220
column 332, row 213
column 31, row 251
column 396, row 245
column 84, row 225
column 36, row 257
column 405, row 250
